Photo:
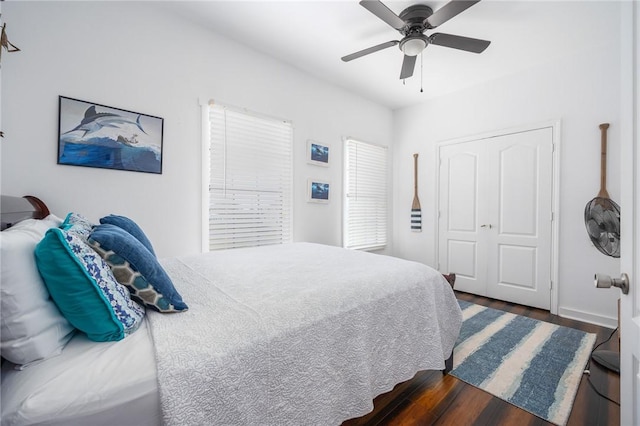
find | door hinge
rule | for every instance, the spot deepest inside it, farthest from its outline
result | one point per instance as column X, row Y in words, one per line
column 551, row 216
column 551, row 285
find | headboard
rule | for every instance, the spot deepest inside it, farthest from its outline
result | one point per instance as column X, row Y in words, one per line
column 14, row 209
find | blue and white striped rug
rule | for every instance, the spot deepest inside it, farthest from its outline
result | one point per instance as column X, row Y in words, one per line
column 534, row 365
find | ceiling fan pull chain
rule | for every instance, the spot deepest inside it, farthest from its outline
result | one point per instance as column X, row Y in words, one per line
column 421, row 71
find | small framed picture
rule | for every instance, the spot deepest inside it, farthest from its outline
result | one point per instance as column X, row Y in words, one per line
column 318, row 191
column 317, row 153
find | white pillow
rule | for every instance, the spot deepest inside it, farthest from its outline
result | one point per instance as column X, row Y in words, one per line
column 31, row 327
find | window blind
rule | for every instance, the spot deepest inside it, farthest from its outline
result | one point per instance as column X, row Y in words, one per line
column 365, row 217
column 250, row 179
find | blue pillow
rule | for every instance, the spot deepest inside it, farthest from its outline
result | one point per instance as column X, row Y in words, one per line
column 131, row 227
column 83, row 287
column 136, row 268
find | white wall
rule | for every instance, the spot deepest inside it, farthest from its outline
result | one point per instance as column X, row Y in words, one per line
column 582, row 91
column 136, row 57
column 133, row 56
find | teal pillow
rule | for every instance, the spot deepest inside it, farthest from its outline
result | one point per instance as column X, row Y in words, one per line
column 131, row 227
column 83, row 287
column 136, row 268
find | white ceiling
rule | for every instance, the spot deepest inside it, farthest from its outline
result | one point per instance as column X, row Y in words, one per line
column 313, row 35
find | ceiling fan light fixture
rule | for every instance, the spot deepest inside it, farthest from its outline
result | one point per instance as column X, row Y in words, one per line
column 412, row 24
column 413, row 46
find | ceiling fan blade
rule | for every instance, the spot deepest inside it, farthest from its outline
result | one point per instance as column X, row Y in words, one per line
column 459, row 42
column 408, row 64
column 383, row 12
column 364, row 52
column 448, row 11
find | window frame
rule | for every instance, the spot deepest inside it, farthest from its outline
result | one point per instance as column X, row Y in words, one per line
column 207, row 190
column 381, row 221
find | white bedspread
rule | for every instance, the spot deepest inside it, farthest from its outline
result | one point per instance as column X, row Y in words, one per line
column 296, row 334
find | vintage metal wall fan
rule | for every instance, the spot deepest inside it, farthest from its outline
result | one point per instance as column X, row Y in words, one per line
column 602, row 214
column 412, row 24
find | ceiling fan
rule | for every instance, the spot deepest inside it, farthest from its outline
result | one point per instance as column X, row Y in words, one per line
column 412, row 23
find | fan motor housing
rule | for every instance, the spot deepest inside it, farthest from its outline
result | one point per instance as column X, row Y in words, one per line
column 414, row 17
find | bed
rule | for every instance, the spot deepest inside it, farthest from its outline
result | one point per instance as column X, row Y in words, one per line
column 296, row 333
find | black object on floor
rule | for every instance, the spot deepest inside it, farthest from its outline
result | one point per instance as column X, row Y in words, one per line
column 608, row 359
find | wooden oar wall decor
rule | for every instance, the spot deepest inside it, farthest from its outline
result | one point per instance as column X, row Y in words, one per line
column 416, row 212
column 5, row 43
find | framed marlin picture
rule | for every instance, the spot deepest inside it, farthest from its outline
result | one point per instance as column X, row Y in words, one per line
column 94, row 135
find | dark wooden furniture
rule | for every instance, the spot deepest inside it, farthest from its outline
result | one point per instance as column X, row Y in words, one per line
column 15, row 209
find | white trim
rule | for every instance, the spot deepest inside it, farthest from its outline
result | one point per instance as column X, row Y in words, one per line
column 204, row 172
column 247, row 111
column 630, row 211
column 583, row 316
column 555, row 224
column 501, row 132
column 345, row 138
column 555, row 126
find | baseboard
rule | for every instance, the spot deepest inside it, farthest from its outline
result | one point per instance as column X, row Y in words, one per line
column 609, row 322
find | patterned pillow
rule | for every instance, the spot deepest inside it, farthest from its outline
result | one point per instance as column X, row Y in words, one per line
column 137, row 268
column 131, row 227
column 83, row 287
column 79, row 224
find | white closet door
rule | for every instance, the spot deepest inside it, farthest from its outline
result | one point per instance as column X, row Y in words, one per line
column 495, row 216
column 519, row 203
column 461, row 211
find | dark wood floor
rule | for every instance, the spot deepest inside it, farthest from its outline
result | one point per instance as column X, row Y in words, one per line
column 431, row 398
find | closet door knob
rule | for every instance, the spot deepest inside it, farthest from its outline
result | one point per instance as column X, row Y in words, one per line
column 484, row 226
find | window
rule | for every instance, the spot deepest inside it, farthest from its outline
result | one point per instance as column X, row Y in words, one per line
column 249, row 179
column 365, row 215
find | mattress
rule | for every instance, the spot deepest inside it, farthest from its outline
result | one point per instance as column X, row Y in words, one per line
column 97, row 384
